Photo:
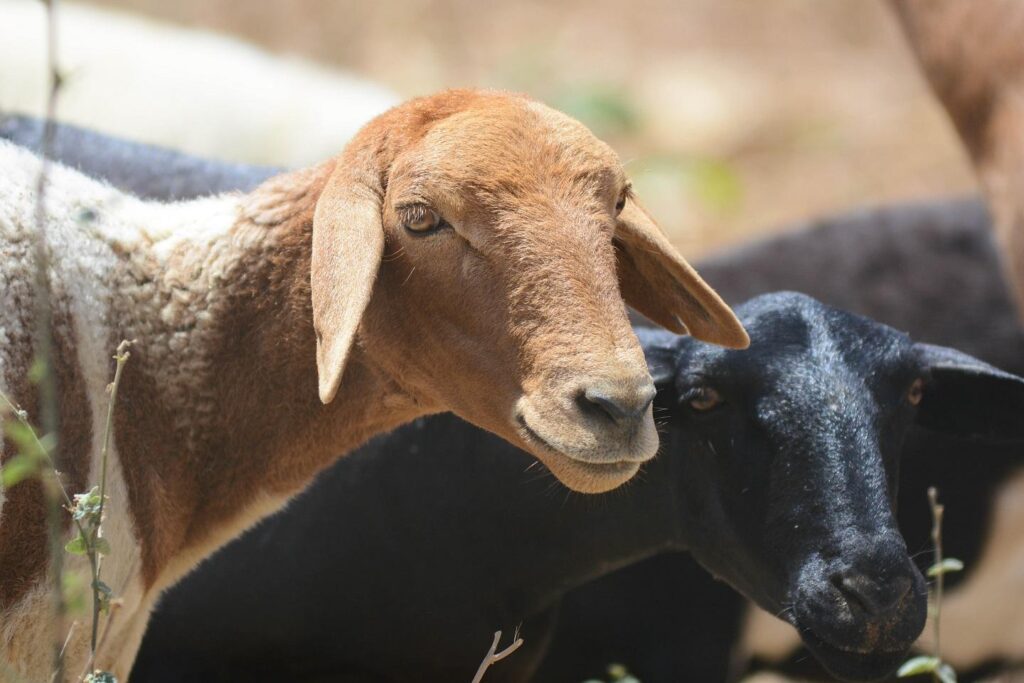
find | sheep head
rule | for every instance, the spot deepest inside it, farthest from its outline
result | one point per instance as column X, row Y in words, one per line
column 478, row 245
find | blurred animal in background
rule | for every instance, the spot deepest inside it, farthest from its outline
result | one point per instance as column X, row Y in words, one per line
column 973, row 57
column 176, row 86
column 133, row 166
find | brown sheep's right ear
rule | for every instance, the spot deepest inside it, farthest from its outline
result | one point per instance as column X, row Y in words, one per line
column 348, row 241
column 658, row 282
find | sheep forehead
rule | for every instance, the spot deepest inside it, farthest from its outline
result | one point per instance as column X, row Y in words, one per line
column 511, row 146
column 792, row 330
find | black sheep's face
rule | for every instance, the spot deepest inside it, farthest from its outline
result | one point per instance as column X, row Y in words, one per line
column 788, row 459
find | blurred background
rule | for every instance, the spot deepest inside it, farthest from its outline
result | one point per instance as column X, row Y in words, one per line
column 735, row 117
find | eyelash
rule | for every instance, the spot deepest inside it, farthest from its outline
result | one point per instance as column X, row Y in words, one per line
column 416, row 212
column 702, row 394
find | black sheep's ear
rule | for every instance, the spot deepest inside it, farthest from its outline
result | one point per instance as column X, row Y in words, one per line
column 661, row 348
column 969, row 398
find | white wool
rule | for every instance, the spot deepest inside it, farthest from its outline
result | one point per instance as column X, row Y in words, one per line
column 188, row 89
column 84, row 215
column 114, row 259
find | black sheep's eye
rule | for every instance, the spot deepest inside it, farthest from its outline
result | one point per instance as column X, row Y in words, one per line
column 703, row 399
column 915, row 392
column 421, row 219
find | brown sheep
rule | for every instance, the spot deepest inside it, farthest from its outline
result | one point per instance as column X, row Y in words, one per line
column 466, row 252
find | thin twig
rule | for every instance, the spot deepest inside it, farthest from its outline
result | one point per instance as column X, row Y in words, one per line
column 937, row 511
column 493, row 656
column 71, row 632
column 115, row 608
column 44, row 341
column 95, row 559
column 43, row 449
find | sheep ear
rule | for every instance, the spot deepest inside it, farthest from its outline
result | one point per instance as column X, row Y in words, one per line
column 656, row 281
column 969, row 398
column 348, row 240
column 661, row 349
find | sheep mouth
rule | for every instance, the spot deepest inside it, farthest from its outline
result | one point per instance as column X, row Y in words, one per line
column 848, row 662
column 577, row 473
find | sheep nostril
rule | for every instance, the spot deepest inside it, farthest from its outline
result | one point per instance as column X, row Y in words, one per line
column 621, row 408
column 869, row 596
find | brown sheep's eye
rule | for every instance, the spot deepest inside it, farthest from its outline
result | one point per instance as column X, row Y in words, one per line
column 916, row 392
column 704, row 399
column 421, row 219
column 621, row 204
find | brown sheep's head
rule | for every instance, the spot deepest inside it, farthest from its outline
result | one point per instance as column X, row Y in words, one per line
column 479, row 246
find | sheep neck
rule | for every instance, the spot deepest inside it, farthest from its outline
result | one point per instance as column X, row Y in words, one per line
column 555, row 541
column 220, row 421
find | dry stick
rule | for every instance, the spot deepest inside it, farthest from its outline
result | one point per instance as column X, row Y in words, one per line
column 115, row 607
column 44, row 342
column 95, row 560
column 493, row 656
column 937, row 510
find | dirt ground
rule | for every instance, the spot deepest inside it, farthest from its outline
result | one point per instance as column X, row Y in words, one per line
column 735, row 116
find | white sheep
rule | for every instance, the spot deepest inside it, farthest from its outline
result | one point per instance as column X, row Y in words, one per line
column 181, row 87
column 466, row 252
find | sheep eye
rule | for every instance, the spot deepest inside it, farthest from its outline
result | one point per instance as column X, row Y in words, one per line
column 916, row 392
column 422, row 219
column 621, row 203
column 704, row 399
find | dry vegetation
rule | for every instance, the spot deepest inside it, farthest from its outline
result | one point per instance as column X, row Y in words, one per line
column 736, row 116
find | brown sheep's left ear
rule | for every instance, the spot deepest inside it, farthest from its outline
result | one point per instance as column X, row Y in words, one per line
column 655, row 280
column 348, row 241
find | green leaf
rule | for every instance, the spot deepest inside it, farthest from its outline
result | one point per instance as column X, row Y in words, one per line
column 77, row 545
column 18, row 469
column 37, row 371
column 919, row 665
column 87, row 505
column 102, row 546
column 23, row 437
column 73, row 589
column 947, row 566
column 946, row 673
column 100, row 677
column 619, row 674
column 715, row 184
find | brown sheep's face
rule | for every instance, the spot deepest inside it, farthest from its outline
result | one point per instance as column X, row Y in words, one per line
column 507, row 228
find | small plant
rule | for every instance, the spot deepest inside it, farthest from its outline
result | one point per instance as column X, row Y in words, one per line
column 100, row 677
column 940, row 671
column 87, row 509
column 34, row 459
column 617, row 673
